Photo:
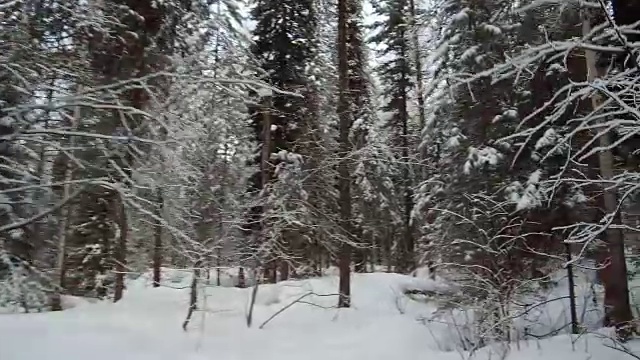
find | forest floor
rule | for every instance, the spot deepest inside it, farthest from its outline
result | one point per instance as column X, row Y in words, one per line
column 382, row 324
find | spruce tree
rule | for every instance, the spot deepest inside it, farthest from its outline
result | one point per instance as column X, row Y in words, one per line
column 396, row 73
column 284, row 47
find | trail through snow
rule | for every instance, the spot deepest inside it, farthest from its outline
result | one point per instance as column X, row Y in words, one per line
column 147, row 325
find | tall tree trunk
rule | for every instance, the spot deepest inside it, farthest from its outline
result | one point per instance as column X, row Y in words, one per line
column 417, row 60
column 39, row 226
column 616, row 286
column 415, row 42
column 158, row 212
column 344, row 176
column 270, row 273
column 408, row 256
column 56, row 303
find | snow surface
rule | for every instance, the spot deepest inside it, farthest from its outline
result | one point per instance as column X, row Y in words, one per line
column 147, row 325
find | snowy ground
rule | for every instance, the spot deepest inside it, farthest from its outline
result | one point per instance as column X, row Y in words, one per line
column 147, row 325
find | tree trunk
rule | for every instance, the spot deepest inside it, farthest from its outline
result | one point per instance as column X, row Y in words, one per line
column 572, row 293
column 408, row 256
column 284, row 270
column 417, row 59
column 157, row 244
column 56, row 303
column 616, row 287
column 344, row 175
column 242, row 281
column 359, row 258
column 219, row 250
column 265, row 155
column 388, row 256
column 40, row 225
column 121, row 247
column 418, row 64
column 193, row 296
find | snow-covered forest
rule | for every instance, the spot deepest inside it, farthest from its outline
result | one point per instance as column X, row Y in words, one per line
column 291, row 179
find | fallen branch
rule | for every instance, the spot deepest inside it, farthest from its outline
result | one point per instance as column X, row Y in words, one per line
column 298, row 300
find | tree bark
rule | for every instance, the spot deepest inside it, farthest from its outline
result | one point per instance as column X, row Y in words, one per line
column 616, row 286
column 344, row 176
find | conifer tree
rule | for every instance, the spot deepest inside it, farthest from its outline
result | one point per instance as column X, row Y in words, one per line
column 284, row 47
column 396, row 73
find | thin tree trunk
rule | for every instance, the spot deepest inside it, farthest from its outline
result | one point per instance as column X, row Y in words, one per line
column 420, row 95
column 39, row 225
column 193, row 296
column 272, row 273
column 282, row 266
column 432, row 269
column 157, row 244
column 407, row 260
column 254, row 296
column 219, row 250
column 284, row 270
column 374, row 258
column 120, row 214
column 616, row 287
column 388, row 256
column 56, row 301
column 319, row 260
column 120, row 248
column 359, row 259
column 269, row 265
column 572, row 293
column 418, row 64
column 417, row 59
column 242, row 281
column 344, row 176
